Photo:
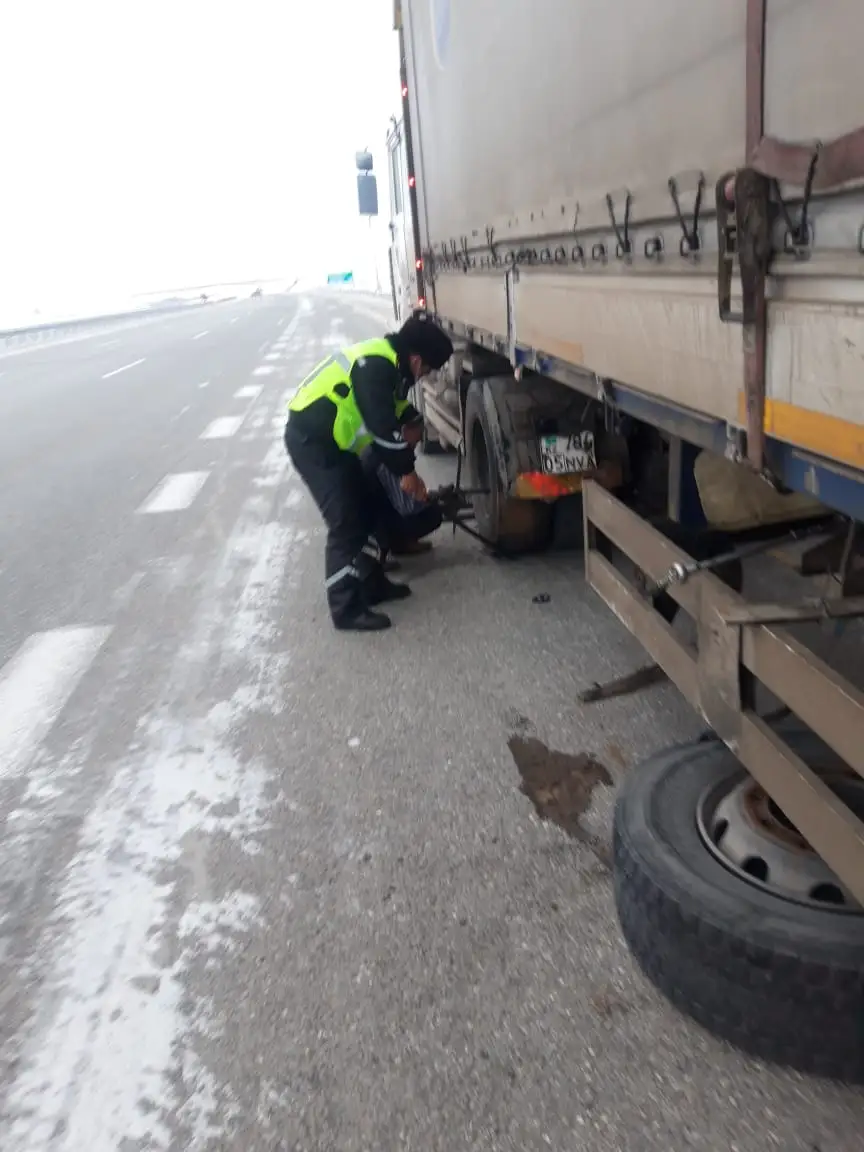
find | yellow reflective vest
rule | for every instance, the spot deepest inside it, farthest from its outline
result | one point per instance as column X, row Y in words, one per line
column 332, row 379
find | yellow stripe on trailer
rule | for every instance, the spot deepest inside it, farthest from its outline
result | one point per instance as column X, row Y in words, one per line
column 817, row 432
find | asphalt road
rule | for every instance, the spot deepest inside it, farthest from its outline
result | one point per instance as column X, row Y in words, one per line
column 265, row 886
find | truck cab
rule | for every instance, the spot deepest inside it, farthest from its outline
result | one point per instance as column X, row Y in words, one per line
column 403, row 273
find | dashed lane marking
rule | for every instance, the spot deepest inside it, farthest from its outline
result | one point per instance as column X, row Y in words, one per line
column 222, row 428
column 124, row 368
column 175, row 493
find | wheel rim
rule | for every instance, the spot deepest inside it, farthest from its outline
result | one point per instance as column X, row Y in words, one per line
column 749, row 834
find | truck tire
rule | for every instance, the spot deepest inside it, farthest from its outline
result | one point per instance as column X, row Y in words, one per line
column 516, row 526
column 780, row 978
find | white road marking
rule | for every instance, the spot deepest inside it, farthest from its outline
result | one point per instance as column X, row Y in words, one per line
column 200, row 334
column 264, row 370
column 176, row 492
column 233, row 320
column 204, row 384
column 248, row 392
column 125, row 368
column 273, row 356
column 109, row 344
column 266, row 344
column 222, row 428
column 35, row 686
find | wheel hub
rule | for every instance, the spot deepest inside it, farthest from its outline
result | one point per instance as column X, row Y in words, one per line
column 751, row 836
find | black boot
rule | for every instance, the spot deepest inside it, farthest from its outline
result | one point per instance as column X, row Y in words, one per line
column 364, row 621
column 381, row 590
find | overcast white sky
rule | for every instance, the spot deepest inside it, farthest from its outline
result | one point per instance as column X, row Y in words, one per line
column 148, row 143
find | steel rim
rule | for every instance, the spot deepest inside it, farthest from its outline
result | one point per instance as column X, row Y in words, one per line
column 746, row 831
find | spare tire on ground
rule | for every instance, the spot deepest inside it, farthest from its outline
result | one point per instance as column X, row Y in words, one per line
column 730, row 914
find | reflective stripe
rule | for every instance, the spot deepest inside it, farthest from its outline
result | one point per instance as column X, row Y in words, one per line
column 342, row 574
column 337, row 358
column 370, row 550
column 361, row 431
column 398, row 445
column 364, row 431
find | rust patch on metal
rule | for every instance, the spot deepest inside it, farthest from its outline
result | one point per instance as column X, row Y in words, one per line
column 560, row 785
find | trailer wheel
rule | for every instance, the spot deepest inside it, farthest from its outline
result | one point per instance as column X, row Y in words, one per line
column 516, row 525
column 731, row 915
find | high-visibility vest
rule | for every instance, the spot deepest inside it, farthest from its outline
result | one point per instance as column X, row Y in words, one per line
column 332, row 379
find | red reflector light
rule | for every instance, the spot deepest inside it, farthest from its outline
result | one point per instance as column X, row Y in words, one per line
column 418, row 265
column 411, row 182
column 404, row 90
column 546, row 487
column 421, row 303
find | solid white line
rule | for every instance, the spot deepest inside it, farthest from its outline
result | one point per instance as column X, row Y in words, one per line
column 248, row 392
column 204, row 384
column 176, row 492
column 222, row 428
column 125, row 368
column 200, row 334
column 35, row 686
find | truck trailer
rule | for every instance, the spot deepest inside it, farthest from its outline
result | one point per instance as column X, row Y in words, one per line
column 643, row 226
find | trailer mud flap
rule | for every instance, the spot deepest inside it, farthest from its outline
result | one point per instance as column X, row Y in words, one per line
column 718, row 677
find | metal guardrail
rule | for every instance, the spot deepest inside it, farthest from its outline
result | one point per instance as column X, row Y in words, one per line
column 12, row 339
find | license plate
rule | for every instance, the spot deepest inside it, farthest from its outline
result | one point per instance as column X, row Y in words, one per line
column 560, row 454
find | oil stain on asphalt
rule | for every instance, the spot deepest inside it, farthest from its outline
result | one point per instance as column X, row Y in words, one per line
column 560, row 785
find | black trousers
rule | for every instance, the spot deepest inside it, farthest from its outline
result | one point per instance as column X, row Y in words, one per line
column 351, row 509
column 391, row 528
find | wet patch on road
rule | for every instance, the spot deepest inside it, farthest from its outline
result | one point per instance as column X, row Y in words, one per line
column 561, row 785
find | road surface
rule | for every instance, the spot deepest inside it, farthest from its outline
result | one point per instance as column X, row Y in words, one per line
column 265, row 886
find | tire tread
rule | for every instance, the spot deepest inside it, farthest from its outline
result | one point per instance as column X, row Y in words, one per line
column 783, row 1004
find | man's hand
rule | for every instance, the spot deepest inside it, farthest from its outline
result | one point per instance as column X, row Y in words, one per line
column 413, row 486
column 412, row 433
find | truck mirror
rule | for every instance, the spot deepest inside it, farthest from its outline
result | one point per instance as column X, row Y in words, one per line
column 367, row 194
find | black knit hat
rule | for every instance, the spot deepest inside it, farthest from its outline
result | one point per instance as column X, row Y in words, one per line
column 421, row 337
